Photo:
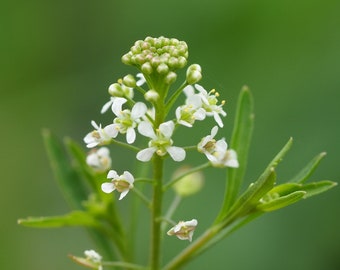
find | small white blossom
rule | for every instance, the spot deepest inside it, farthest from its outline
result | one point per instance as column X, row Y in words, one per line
column 99, row 160
column 184, row 230
column 94, row 259
column 207, row 144
column 127, row 120
column 122, row 183
column 191, row 111
column 217, row 151
column 99, row 136
column 160, row 143
column 210, row 104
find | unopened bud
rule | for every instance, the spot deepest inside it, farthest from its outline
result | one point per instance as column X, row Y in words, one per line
column 129, row 81
column 171, row 77
column 151, row 95
column 194, row 74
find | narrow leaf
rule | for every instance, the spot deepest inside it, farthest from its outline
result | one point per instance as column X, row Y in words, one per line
column 70, row 182
column 250, row 198
column 307, row 171
column 317, row 187
column 75, row 218
column 240, row 142
column 281, row 202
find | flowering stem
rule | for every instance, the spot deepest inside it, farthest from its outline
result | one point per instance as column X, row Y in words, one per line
column 198, row 168
column 156, row 213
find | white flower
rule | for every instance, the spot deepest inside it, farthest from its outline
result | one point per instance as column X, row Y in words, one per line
column 207, row 144
column 141, row 80
column 191, row 111
column 122, row 183
column 100, row 135
column 93, row 260
column 184, row 230
column 93, row 256
column 160, row 142
column 210, row 104
column 217, row 151
column 99, row 160
column 223, row 157
column 127, row 120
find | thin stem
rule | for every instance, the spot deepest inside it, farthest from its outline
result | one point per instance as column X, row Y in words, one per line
column 156, row 212
column 175, row 203
column 187, row 253
column 173, row 98
column 190, row 148
column 124, row 265
column 195, row 169
column 144, row 199
column 126, row 145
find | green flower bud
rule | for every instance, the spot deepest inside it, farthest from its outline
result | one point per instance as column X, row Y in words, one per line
column 194, row 74
column 151, row 95
column 189, row 184
column 116, row 90
column 163, row 69
column 171, row 77
column 129, row 81
column 146, row 68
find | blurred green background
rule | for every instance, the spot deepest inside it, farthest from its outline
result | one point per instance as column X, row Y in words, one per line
column 59, row 57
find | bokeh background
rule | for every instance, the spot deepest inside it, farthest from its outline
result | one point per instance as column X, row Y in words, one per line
column 59, row 57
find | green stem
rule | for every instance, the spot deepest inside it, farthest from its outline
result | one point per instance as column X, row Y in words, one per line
column 174, row 205
column 124, row 265
column 198, row 168
column 186, row 254
column 126, row 145
column 142, row 197
column 174, row 97
column 156, row 212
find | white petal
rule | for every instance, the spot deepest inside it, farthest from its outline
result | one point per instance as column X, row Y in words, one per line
column 146, row 154
column 106, row 106
column 103, row 151
column 130, row 135
column 128, row 177
column 194, row 100
column 108, row 187
column 123, row 194
column 199, row 114
column 141, row 80
column 138, row 110
column 145, row 128
column 192, row 223
column 201, row 89
column 218, row 119
column 111, row 130
column 112, row 174
column 189, row 90
column 117, row 105
column 94, row 124
column 167, row 128
column 221, row 145
column 177, row 153
column 214, row 131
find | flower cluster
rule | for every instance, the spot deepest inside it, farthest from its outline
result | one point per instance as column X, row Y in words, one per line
column 157, row 59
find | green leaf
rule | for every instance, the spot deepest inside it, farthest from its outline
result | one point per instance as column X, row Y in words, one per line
column 250, row 198
column 317, row 187
column 240, row 142
column 307, row 171
column 75, row 218
column 70, row 182
column 281, row 201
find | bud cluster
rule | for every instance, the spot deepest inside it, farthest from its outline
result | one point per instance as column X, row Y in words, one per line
column 161, row 55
